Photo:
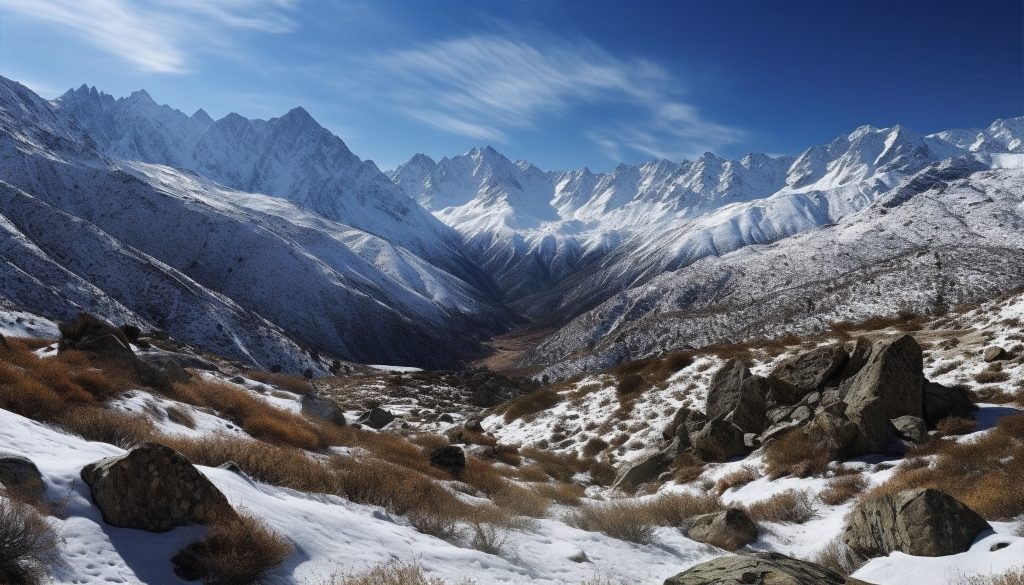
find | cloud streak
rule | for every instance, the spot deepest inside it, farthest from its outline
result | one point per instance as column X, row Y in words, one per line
column 484, row 86
column 156, row 36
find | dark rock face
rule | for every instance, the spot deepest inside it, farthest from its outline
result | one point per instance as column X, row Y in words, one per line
column 153, row 487
column 920, row 522
column 994, row 354
column 808, row 372
column 375, row 418
column 160, row 370
column 760, row 568
column 729, row 530
column 20, row 476
column 646, row 469
column 941, row 402
column 911, row 428
column 451, row 459
column 890, row 385
column 324, row 408
column 834, row 432
column 739, row 397
column 87, row 333
column 719, row 440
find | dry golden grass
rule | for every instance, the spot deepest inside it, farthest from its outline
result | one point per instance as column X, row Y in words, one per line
column 521, row 501
column 602, row 473
column 843, row 489
column 390, row 573
column 179, row 415
column 655, row 369
column 836, row 555
column 235, row 552
column 791, row 506
column 558, row 466
column 991, row 376
column 532, row 403
column 294, row 383
column 123, row 429
column 593, row 447
column 954, row 425
column 675, row 509
column 735, row 479
column 795, row 454
column 985, row 473
column 26, row 541
column 615, row 519
column 567, row 494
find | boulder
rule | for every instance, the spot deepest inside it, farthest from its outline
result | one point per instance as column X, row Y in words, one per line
column 87, row 333
column 323, row 408
column 807, row 372
column 474, row 424
column 942, row 401
column 890, row 385
column 3, row 341
column 994, row 354
column 764, row 568
column 153, row 487
column 921, row 522
column 20, row 476
column 375, row 418
column 646, row 469
column 834, row 432
column 686, row 420
column 719, row 440
column 730, row 529
column 911, row 428
column 739, row 396
column 859, row 356
column 451, row 459
column 160, row 370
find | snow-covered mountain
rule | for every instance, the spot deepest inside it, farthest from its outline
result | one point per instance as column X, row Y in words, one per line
column 242, row 273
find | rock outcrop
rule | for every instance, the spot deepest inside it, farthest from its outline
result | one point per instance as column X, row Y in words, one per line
column 20, row 477
column 920, row 522
column 760, row 568
column 737, row 396
column 323, row 408
column 730, row 529
column 153, row 487
column 451, row 459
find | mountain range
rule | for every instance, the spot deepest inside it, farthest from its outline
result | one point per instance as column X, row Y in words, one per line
column 270, row 241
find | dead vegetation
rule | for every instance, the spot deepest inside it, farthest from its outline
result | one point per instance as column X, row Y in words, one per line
column 795, row 454
column 842, row 489
column 390, row 573
column 984, row 473
column 735, row 479
column 635, row 520
column 26, row 542
column 790, row 506
column 532, row 403
column 235, row 552
column 1015, row 577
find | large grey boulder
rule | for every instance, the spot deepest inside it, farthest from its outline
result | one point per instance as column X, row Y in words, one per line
column 760, row 569
column 21, row 478
column 807, row 372
column 834, row 433
column 942, row 401
column 375, row 418
column 646, row 469
column 738, row 396
column 994, row 354
column 685, row 421
column 911, row 428
column 921, row 522
column 730, row 529
column 153, row 487
column 890, row 385
column 719, row 440
column 323, row 408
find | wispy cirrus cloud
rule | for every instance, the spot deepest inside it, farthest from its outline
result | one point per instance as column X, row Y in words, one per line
column 484, row 86
column 156, row 35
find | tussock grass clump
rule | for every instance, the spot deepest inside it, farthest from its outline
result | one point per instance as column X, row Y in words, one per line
column 390, row 573
column 1015, row 577
column 837, row 556
column 630, row 384
column 843, row 489
column 26, row 543
column 736, row 479
column 791, row 506
column 558, row 466
column 235, row 552
column 594, row 446
column 615, row 519
column 567, row 494
column 985, row 473
column 991, row 376
column 955, row 425
column 794, row 453
column 532, row 403
column 123, row 429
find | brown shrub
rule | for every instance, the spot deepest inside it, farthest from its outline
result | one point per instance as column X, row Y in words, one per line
column 791, row 506
column 235, row 552
column 630, row 384
column 26, row 543
column 390, row 573
column 991, row 376
column 842, row 489
column 559, row 466
column 676, row 508
column 1014, row 577
column 84, row 325
column 179, row 415
column 955, row 425
column 836, row 555
column 735, row 479
column 567, row 494
column 602, row 473
column 795, row 454
column 123, row 429
column 615, row 519
column 594, row 446
column 985, row 473
column 521, row 501
column 532, row 403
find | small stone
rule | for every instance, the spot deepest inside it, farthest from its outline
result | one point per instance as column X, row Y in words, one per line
column 994, row 353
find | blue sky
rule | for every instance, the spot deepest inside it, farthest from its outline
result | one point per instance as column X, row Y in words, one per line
column 560, row 83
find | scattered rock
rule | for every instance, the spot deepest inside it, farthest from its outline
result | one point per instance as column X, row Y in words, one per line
column 834, row 432
column 160, row 370
column 21, row 477
column 445, row 418
column 994, row 354
column 920, row 522
column 646, row 469
column 760, row 569
column 942, row 401
column 323, row 408
column 376, row 418
column 474, row 424
column 890, row 385
column 451, row 459
column 729, row 530
column 685, row 421
column 719, row 440
column 911, row 428
column 87, row 333
column 808, row 372
column 739, row 397
column 237, row 380
column 153, row 487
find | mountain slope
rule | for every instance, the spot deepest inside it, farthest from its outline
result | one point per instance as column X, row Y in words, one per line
column 333, row 287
